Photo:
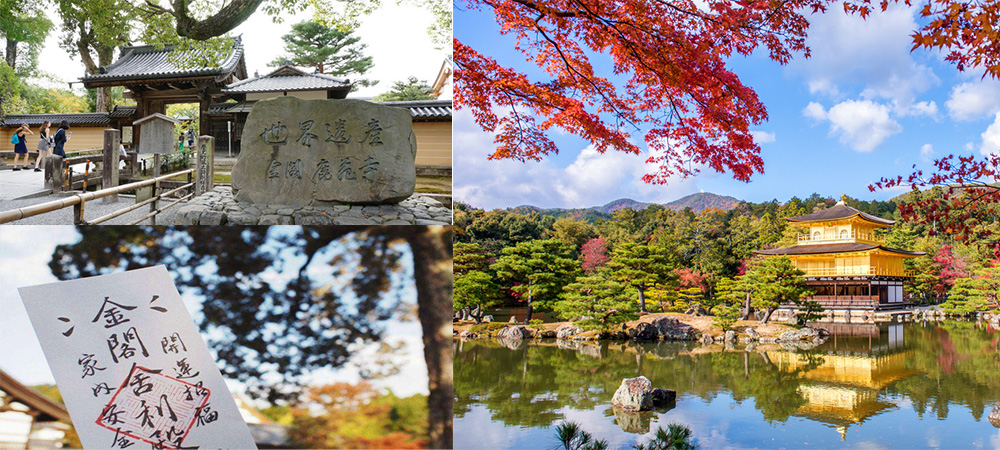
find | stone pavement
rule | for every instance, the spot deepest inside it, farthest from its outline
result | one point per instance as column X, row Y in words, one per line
column 21, row 183
column 218, row 207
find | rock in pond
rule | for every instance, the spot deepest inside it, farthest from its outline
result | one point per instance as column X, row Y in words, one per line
column 671, row 329
column 663, row 397
column 634, row 394
column 752, row 334
column 994, row 417
column 643, row 332
column 515, row 332
column 468, row 335
column 567, row 331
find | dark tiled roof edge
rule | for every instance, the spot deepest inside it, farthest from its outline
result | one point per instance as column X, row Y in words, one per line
column 15, row 120
column 228, row 65
column 833, row 248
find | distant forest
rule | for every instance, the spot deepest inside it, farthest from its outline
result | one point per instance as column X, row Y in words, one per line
column 716, row 243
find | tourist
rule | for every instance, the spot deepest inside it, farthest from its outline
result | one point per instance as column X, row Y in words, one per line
column 44, row 144
column 62, row 135
column 20, row 147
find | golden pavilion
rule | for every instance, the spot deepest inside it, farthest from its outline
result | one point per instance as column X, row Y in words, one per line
column 846, row 264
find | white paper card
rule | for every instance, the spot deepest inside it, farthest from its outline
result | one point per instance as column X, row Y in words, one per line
column 130, row 363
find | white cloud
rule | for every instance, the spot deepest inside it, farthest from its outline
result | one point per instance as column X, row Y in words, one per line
column 873, row 53
column 589, row 179
column 991, row 138
column 762, row 137
column 974, row 100
column 923, row 109
column 969, row 146
column 814, row 111
column 927, row 152
column 861, row 124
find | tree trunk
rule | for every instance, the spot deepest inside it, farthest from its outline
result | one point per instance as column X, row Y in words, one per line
column 527, row 317
column 229, row 17
column 432, row 269
column 11, row 55
column 642, row 298
column 767, row 315
column 748, row 311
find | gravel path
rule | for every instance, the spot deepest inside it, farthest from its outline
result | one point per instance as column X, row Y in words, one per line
column 92, row 210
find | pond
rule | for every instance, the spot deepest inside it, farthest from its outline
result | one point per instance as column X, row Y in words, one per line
column 912, row 385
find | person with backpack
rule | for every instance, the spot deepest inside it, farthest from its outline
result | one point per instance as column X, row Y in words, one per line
column 44, row 144
column 62, row 135
column 19, row 140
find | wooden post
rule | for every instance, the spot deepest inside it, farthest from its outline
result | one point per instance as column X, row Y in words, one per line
column 109, row 177
column 205, row 165
column 156, row 188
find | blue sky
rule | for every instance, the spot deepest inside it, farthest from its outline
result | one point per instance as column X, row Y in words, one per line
column 24, row 255
column 862, row 107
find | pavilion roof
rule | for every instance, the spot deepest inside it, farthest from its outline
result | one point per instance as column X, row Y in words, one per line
column 50, row 409
column 845, row 247
column 840, row 211
column 146, row 62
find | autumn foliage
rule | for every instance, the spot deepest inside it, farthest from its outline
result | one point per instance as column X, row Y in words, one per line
column 962, row 200
column 668, row 76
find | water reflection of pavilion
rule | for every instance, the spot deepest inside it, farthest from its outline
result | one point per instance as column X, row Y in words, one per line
column 843, row 380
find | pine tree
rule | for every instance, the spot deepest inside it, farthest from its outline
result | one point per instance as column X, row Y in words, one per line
column 538, row 271
column 641, row 266
column 602, row 302
column 329, row 50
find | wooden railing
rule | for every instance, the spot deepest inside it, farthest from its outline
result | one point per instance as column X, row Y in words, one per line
column 836, row 237
column 78, row 201
column 855, row 270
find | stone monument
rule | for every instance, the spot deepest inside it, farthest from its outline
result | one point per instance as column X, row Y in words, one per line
column 325, row 152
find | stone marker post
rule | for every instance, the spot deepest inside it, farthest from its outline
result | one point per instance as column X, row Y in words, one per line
column 205, row 167
column 109, row 176
column 54, row 172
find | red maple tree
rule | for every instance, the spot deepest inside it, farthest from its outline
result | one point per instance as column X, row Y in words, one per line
column 966, row 195
column 670, row 75
column 594, row 253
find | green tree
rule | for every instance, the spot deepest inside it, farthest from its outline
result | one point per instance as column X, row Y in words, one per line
column 640, row 266
column 978, row 292
column 329, row 50
column 93, row 29
column 600, row 300
column 573, row 232
column 474, row 291
column 538, row 270
column 777, row 281
column 411, row 89
column 22, row 22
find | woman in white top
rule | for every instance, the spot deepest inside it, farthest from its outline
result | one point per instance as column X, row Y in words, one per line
column 44, row 144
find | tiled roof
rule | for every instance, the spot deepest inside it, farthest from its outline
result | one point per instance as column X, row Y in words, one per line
column 426, row 109
column 122, row 111
column 230, row 107
column 288, row 78
column 143, row 62
column 34, row 120
column 420, row 110
column 838, row 212
column 833, row 248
